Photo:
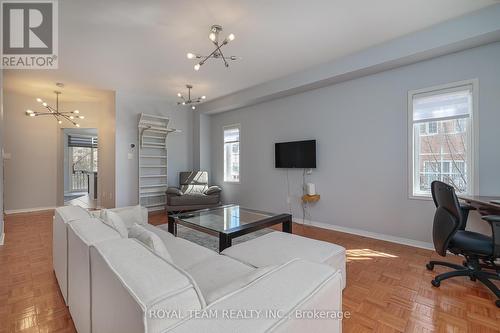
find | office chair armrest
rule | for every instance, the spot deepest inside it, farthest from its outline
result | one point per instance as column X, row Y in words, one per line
column 466, row 206
column 494, row 221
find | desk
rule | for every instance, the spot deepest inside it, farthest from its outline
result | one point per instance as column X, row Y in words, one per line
column 483, row 204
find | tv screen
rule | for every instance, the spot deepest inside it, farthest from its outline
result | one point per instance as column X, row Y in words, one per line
column 297, row 154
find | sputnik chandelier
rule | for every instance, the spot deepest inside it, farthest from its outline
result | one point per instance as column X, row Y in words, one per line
column 214, row 36
column 186, row 100
column 54, row 112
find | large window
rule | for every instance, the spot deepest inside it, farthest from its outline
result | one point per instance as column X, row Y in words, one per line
column 232, row 153
column 441, row 138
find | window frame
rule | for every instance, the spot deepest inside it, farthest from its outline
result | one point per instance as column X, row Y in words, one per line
column 472, row 142
column 224, row 128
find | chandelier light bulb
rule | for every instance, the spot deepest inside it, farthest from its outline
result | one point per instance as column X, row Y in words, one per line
column 193, row 107
column 203, row 97
column 179, row 95
column 197, row 67
column 212, row 36
column 183, row 103
column 59, row 115
column 190, row 55
column 231, row 37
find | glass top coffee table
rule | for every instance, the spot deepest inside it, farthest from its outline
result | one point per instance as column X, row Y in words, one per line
column 228, row 222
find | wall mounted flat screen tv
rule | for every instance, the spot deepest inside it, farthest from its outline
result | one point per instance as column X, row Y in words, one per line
column 297, row 154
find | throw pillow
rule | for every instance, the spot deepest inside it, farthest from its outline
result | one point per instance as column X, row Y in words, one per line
column 151, row 240
column 115, row 221
column 130, row 215
column 213, row 189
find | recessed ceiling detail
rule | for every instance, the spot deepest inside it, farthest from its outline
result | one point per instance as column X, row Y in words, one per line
column 214, row 37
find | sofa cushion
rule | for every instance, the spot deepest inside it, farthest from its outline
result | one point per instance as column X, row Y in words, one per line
column 294, row 286
column 240, row 282
column 193, row 199
column 71, row 213
column 150, row 239
column 115, row 221
column 174, row 191
column 216, row 272
column 279, row 247
column 183, row 252
column 193, row 178
column 213, row 190
column 92, row 230
column 130, row 215
column 152, row 283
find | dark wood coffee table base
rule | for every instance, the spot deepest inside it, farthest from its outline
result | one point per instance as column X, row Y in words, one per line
column 226, row 238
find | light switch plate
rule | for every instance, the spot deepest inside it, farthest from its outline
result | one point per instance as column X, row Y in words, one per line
column 130, row 156
column 7, row 156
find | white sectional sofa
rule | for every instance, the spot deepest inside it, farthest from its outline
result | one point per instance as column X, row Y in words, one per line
column 119, row 284
column 62, row 216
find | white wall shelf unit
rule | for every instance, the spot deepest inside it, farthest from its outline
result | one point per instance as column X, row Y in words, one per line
column 153, row 157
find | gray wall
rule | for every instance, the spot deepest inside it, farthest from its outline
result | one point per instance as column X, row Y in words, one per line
column 361, row 130
column 34, row 175
column 179, row 145
column 201, row 142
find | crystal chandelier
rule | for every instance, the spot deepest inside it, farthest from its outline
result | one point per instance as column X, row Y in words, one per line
column 54, row 112
column 187, row 100
column 215, row 31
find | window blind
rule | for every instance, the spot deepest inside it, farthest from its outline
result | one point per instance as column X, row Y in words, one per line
column 82, row 141
column 453, row 104
column 231, row 134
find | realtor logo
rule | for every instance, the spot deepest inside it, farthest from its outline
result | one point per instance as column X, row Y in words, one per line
column 29, row 34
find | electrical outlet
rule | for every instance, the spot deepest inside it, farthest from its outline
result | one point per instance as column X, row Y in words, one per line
column 288, row 200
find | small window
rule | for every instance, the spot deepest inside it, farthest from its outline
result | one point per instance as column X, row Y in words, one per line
column 232, row 153
column 441, row 136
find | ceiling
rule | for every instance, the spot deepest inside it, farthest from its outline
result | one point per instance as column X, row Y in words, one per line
column 140, row 47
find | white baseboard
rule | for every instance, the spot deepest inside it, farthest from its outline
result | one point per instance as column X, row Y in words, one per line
column 2, row 238
column 27, row 210
column 369, row 234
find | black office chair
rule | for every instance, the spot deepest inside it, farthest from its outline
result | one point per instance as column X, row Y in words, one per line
column 449, row 234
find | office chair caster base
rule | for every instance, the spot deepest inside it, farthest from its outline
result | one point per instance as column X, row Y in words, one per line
column 429, row 267
column 435, row 283
column 497, row 303
column 473, row 278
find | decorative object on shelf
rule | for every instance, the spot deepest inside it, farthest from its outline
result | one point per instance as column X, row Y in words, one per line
column 187, row 100
column 310, row 198
column 310, row 189
column 153, row 132
column 70, row 116
column 214, row 37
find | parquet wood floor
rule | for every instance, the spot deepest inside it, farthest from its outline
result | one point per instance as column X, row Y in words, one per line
column 388, row 288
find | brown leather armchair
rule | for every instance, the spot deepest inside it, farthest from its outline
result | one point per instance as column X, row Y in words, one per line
column 193, row 193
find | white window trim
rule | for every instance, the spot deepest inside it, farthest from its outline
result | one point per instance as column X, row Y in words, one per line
column 473, row 137
column 237, row 125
